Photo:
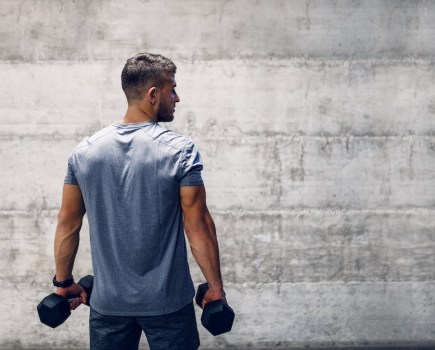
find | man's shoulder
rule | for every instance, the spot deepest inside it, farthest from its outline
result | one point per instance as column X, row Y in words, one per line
column 100, row 134
column 88, row 140
column 170, row 138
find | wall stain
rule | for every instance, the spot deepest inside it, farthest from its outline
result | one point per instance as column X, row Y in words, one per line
column 298, row 173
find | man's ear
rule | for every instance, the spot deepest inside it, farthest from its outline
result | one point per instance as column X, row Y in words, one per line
column 152, row 95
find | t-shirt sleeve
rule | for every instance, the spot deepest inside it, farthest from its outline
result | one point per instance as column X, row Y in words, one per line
column 70, row 177
column 191, row 166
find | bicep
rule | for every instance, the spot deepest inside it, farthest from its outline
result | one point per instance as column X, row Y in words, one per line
column 73, row 205
column 193, row 203
column 191, row 195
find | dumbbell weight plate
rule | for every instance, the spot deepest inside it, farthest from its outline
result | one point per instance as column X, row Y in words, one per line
column 217, row 317
column 53, row 310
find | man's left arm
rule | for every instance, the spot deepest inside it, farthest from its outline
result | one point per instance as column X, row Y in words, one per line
column 66, row 241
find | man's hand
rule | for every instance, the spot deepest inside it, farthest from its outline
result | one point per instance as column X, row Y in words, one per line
column 76, row 292
column 212, row 296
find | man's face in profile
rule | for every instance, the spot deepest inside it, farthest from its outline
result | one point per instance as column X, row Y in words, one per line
column 168, row 99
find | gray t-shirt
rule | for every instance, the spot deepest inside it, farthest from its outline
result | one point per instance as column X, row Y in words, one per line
column 130, row 175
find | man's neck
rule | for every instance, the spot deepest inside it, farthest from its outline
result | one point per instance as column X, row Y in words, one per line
column 135, row 114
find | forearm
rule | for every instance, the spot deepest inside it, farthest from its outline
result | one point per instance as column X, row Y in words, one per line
column 205, row 250
column 66, row 244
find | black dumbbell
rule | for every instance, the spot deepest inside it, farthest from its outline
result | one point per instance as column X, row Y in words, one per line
column 217, row 317
column 54, row 309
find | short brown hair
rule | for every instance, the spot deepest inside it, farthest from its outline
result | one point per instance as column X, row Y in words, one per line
column 145, row 69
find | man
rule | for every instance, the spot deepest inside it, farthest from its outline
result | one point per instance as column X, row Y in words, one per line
column 141, row 187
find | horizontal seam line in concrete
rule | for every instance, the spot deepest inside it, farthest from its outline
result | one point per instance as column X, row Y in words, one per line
column 256, row 285
column 264, row 60
column 243, row 57
column 255, row 136
column 322, row 346
column 343, row 211
column 271, row 212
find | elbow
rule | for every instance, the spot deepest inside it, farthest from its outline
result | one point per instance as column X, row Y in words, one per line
column 69, row 221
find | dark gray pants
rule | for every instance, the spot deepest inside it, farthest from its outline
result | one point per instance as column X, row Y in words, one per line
column 175, row 331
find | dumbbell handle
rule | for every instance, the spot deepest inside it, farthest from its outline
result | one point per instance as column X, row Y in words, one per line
column 71, row 299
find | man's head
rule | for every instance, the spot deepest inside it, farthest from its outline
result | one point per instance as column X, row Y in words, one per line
column 151, row 76
column 143, row 71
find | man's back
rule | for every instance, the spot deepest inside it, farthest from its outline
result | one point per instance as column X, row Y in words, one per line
column 130, row 175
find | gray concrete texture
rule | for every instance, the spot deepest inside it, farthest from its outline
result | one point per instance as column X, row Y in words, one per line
column 316, row 122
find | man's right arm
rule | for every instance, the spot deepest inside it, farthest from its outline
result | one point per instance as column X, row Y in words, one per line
column 201, row 233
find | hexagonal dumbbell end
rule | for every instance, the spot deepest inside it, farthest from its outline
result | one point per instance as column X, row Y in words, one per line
column 87, row 283
column 217, row 316
column 53, row 310
column 200, row 293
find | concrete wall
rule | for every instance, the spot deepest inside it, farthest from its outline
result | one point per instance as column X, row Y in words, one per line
column 316, row 122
